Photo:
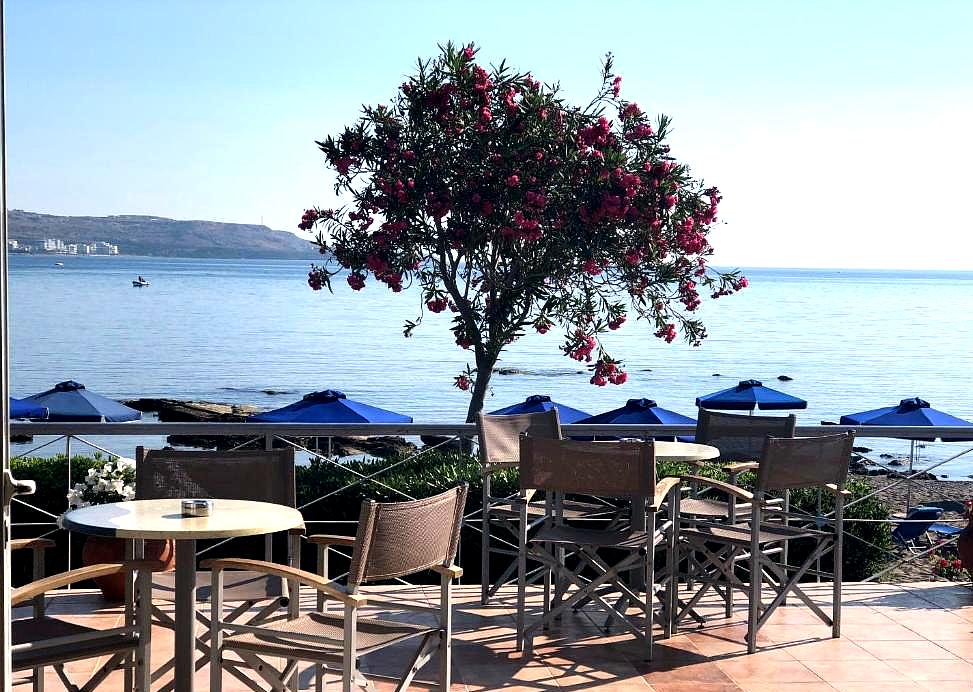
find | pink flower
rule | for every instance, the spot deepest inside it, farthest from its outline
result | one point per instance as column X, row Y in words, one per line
column 617, row 322
column 486, row 208
column 356, row 281
column 468, row 52
column 591, row 267
column 437, row 304
column 617, row 86
column 462, row 382
column 513, row 180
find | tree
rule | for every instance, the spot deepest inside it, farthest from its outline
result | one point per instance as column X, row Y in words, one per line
column 513, row 210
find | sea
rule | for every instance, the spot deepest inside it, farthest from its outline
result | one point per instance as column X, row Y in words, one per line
column 253, row 332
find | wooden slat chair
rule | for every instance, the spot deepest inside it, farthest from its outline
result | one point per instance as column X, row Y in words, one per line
column 260, row 475
column 499, row 447
column 394, row 540
column 785, row 464
column 621, row 470
column 42, row 641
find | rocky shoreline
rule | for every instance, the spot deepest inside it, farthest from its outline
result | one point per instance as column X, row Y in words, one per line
column 180, row 411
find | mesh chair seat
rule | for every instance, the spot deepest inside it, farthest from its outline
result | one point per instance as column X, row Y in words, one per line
column 573, row 509
column 237, row 586
column 599, row 538
column 703, row 507
column 741, row 534
column 373, row 634
column 43, row 628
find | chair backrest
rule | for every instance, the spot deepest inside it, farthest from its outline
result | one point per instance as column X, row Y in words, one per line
column 804, row 462
column 924, row 517
column 399, row 538
column 499, row 436
column 740, row 437
column 261, row 476
column 608, row 469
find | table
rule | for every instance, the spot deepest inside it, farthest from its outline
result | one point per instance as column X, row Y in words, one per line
column 692, row 452
column 142, row 519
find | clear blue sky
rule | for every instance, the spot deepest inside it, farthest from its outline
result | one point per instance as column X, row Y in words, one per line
column 839, row 132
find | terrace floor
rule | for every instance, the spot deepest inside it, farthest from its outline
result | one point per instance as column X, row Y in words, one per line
column 894, row 637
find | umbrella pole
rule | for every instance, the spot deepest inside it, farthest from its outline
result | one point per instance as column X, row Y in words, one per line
column 908, row 493
column 67, row 453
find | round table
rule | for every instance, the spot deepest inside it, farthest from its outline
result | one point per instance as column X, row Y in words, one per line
column 142, row 519
column 684, row 451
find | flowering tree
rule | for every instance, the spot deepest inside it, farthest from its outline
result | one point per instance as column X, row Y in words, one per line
column 513, row 210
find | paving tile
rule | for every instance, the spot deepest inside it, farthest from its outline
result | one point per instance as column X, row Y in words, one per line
column 920, row 649
column 855, row 671
column 829, row 650
column 953, row 670
column 752, row 668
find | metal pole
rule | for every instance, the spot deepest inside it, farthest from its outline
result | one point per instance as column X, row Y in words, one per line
column 908, row 493
column 6, row 482
column 67, row 453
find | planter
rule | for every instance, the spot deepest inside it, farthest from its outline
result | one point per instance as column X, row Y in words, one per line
column 98, row 549
column 965, row 545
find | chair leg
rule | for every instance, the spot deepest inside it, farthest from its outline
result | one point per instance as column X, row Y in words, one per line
column 485, row 543
column 521, row 576
column 446, row 636
column 216, row 633
column 349, row 662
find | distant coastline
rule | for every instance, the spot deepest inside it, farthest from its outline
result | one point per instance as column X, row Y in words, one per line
column 149, row 236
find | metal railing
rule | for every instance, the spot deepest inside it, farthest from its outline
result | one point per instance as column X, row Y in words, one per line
column 267, row 434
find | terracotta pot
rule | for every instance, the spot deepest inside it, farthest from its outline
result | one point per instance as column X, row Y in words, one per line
column 98, row 549
column 965, row 545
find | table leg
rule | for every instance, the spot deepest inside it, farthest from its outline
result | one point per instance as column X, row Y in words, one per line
column 185, row 643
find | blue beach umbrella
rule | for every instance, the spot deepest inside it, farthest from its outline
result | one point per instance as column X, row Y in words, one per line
column 70, row 402
column 909, row 412
column 329, row 406
column 641, row 411
column 637, row 411
column 25, row 409
column 748, row 395
column 538, row 403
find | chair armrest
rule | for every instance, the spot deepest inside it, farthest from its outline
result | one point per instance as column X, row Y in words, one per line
column 662, row 490
column 834, row 489
column 32, row 544
column 452, row 571
column 30, row 591
column 289, row 573
column 325, row 539
column 720, row 485
column 739, row 466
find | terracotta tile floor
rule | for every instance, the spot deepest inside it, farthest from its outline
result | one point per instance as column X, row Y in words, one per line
column 895, row 637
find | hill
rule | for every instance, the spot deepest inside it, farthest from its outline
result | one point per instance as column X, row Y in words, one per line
column 155, row 236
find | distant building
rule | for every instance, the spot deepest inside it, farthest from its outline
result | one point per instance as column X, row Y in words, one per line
column 13, row 244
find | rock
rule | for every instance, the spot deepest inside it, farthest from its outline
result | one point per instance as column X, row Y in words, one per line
column 340, row 446
column 178, row 411
column 895, row 462
column 21, row 439
column 447, row 444
column 784, row 378
column 876, row 472
column 864, row 450
column 509, row 371
column 885, row 456
column 643, row 370
column 716, row 374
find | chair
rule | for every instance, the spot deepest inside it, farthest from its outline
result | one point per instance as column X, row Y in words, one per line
column 604, row 469
column 499, row 444
column 41, row 641
column 394, row 540
column 916, row 524
column 785, row 464
column 740, row 440
column 263, row 476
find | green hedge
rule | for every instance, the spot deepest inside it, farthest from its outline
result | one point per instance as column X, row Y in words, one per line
column 425, row 475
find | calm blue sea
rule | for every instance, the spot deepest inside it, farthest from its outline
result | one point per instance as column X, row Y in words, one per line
column 225, row 330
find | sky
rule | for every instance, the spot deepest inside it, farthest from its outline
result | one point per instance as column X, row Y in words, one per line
column 838, row 132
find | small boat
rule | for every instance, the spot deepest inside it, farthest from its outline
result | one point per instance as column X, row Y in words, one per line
column 140, row 282
column 59, row 265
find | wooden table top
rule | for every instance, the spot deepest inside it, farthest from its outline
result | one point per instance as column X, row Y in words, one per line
column 164, row 519
column 684, row 451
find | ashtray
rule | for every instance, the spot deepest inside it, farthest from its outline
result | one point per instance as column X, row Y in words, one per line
column 196, row 508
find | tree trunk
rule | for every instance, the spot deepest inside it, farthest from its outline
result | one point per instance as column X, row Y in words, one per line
column 484, row 371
